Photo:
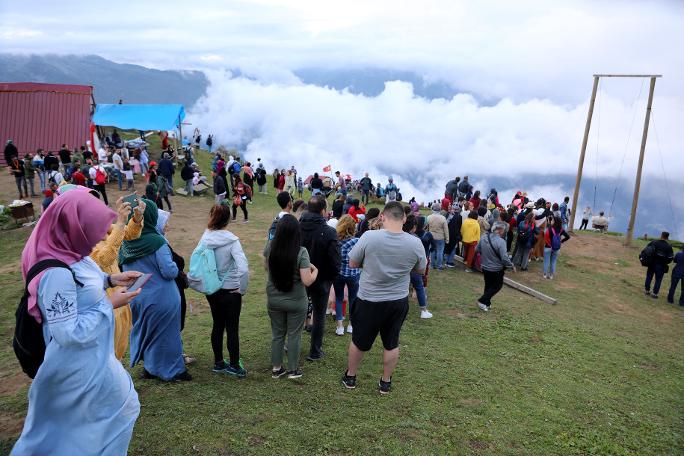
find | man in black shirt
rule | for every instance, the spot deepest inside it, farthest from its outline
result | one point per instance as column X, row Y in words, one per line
column 366, row 187
column 65, row 156
column 320, row 241
column 658, row 267
column 86, row 153
column 316, row 185
column 338, row 206
column 51, row 162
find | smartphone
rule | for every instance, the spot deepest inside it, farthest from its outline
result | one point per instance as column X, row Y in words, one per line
column 130, row 198
column 139, row 282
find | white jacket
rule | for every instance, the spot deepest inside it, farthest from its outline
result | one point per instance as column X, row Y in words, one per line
column 231, row 262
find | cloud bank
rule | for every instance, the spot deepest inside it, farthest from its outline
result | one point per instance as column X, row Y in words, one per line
column 423, row 143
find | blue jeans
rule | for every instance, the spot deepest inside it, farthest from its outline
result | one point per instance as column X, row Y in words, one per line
column 41, row 177
column 452, row 254
column 417, row 283
column 352, row 284
column 119, row 178
column 550, row 258
column 437, row 253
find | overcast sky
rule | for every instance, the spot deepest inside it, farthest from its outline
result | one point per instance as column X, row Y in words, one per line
column 536, row 56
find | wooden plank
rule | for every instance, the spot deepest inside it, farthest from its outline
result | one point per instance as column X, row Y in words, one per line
column 520, row 287
column 628, row 75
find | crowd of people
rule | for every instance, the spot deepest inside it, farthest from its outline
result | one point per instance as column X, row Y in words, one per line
column 361, row 265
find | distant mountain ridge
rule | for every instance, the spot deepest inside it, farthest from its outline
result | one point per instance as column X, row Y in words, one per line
column 111, row 81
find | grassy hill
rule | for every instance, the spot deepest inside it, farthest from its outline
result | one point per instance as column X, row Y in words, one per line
column 598, row 373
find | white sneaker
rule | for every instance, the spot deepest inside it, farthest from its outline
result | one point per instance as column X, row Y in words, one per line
column 425, row 314
column 339, row 330
column 551, row 277
column 328, row 311
column 468, row 270
column 545, row 276
column 349, row 329
column 482, row 306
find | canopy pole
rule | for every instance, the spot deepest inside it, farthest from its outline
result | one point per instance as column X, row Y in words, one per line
column 179, row 139
column 637, row 184
column 583, row 152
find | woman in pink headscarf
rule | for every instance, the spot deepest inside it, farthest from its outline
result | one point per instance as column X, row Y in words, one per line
column 82, row 401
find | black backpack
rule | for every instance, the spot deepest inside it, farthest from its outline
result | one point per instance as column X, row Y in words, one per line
column 647, row 255
column 28, row 343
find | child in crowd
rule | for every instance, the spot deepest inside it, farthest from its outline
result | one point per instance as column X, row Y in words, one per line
column 128, row 173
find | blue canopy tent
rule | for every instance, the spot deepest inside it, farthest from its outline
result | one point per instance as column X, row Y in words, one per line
column 139, row 116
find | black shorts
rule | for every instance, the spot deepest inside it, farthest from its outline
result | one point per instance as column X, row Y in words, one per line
column 369, row 318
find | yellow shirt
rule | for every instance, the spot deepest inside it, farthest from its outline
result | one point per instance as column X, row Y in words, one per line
column 106, row 255
column 470, row 230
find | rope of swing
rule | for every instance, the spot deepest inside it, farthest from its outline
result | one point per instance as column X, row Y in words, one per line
column 662, row 165
column 624, row 155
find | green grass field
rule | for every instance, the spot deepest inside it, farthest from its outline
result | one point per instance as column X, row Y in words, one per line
column 599, row 373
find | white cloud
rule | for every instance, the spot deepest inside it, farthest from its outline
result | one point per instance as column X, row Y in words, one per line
column 423, row 143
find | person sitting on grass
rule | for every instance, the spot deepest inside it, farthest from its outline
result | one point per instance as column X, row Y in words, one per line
column 289, row 273
column 387, row 257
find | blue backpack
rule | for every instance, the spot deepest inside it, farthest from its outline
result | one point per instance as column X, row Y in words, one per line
column 555, row 240
column 203, row 273
column 236, row 168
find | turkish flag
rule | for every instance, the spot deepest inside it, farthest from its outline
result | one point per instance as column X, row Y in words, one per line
column 327, row 169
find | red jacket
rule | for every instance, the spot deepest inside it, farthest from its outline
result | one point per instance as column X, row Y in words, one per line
column 446, row 202
column 354, row 212
column 78, row 178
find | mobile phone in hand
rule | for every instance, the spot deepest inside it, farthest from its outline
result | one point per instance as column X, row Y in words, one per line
column 130, row 198
column 139, row 282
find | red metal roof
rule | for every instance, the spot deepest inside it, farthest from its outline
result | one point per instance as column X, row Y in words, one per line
column 35, row 115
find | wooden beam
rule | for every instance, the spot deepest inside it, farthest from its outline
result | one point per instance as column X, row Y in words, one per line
column 520, row 287
column 628, row 75
column 583, row 151
column 637, row 183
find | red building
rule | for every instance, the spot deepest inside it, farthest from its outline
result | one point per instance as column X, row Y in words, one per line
column 35, row 115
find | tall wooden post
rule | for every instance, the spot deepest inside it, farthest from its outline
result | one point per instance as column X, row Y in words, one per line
column 637, row 184
column 583, row 151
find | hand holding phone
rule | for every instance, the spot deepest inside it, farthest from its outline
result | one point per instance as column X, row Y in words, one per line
column 139, row 283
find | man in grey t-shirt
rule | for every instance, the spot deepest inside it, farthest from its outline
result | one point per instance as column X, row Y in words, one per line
column 387, row 258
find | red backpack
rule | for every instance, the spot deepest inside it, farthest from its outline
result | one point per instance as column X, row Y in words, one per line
column 100, row 176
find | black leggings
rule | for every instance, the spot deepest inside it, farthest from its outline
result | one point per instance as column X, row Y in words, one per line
column 584, row 224
column 103, row 191
column 243, row 206
column 225, row 311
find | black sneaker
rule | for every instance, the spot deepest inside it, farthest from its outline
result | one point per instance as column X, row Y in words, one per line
column 183, row 377
column 654, row 296
column 349, row 381
column 384, row 387
column 647, row 292
column 220, row 367
column 316, row 357
column 278, row 373
column 295, row 374
column 147, row 376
